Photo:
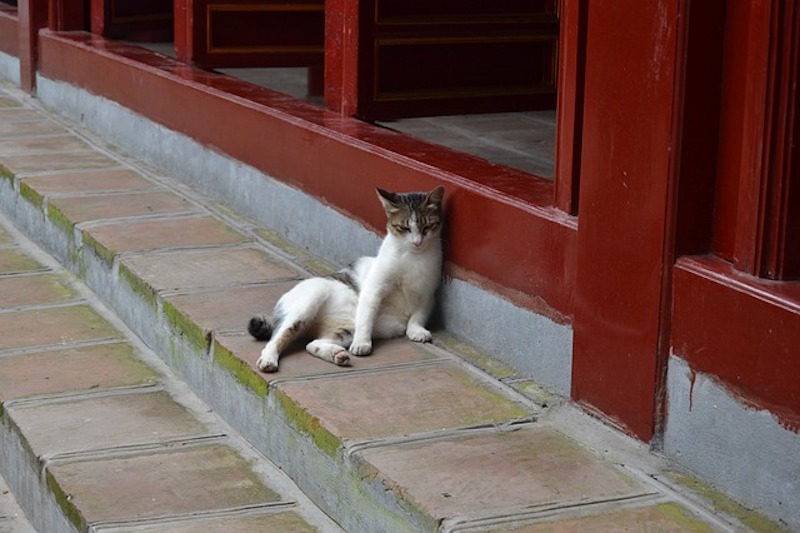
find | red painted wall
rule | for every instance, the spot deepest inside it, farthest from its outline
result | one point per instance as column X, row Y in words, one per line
column 8, row 30
column 743, row 330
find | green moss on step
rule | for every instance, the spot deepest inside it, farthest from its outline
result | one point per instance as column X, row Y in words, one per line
column 184, row 326
column 64, row 501
column 101, row 251
column 6, row 174
column 31, row 195
column 240, row 370
column 308, row 424
column 723, row 504
column 55, row 216
column 140, row 287
column 683, row 518
column 481, row 359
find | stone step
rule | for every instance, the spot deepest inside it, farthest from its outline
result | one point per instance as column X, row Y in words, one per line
column 412, row 438
column 97, row 434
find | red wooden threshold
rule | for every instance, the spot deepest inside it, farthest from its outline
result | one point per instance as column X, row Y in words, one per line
column 503, row 231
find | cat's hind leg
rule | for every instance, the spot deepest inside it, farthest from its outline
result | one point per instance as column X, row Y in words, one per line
column 284, row 334
column 329, row 351
column 293, row 314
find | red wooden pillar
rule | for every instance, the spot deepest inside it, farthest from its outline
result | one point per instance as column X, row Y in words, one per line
column 184, row 30
column 67, row 15
column 341, row 55
column 572, row 48
column 626, row 224
column 32, row 17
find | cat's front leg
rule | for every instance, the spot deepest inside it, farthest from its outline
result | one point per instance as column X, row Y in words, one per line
column 268, row 362
column 415, row 329
column 366, row 312
column 417, row 333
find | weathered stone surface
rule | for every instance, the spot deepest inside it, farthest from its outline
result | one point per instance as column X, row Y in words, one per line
column 33, row 290
column 98, row 367
column 52, row 326
column 493, row 473
column 175, row 482
column 402, row 402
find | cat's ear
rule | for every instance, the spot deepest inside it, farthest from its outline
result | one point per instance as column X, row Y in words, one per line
column 389, row 200
column 435, row 196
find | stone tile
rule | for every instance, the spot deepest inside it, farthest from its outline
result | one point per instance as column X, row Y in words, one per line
column 58, row 325
column 239, row 353
column 496, row 473
column 6, row 102
column 36, row 127
column 32, row 290
column 92, row 180
column 13, row 260
column 227, row 308
column 97, row 367
column 56, row 162
column 19, row 114
column 53, row 428
column 279, row 522
column 27, row 146
column 662, row 518
column 198, row 269
column 175, row 482
column 180, row 232
column 401, row 402
column 5, row 238
column 110, row 206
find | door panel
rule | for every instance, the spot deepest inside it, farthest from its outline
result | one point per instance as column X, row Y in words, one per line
column 135, row 20
column 432, row 58
column 240, row 34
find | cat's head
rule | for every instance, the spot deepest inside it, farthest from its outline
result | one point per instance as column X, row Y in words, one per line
column 413, row 217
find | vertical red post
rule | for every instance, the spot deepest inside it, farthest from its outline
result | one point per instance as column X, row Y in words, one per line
column 626, row 224
column 32, row 17
column 184, row 30
column 66, row 15
column 341, row 55
column 572, row 46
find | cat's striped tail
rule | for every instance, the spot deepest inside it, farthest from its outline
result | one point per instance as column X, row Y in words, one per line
column 260, row 328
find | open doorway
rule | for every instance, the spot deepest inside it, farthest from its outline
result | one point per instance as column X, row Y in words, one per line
column 412, row 85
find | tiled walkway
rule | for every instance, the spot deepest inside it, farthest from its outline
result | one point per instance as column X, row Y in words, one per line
column 100, row 433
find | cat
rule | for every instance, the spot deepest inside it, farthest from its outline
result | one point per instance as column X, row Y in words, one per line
column 379, row 297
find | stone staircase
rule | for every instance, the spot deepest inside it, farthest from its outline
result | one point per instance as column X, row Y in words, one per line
column 131, row 401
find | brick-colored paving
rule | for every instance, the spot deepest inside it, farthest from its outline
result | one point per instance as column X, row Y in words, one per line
column 410, row 437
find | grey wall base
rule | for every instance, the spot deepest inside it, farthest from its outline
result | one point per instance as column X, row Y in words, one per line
column 9, row 68
column 742, row 451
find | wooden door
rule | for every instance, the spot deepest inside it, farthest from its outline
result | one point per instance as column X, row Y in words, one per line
column 456, row 56
column 135, row 20
column 255, row 33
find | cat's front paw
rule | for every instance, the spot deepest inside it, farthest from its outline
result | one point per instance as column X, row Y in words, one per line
column 418, row 334
column 361, row 348
column 267, row 364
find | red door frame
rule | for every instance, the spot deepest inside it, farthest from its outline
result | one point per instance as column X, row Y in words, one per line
column 626, row 213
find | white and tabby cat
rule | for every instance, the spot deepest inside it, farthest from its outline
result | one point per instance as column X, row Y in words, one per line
column 376, row 297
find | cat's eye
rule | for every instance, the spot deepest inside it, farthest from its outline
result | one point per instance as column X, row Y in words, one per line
column 401, row 228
